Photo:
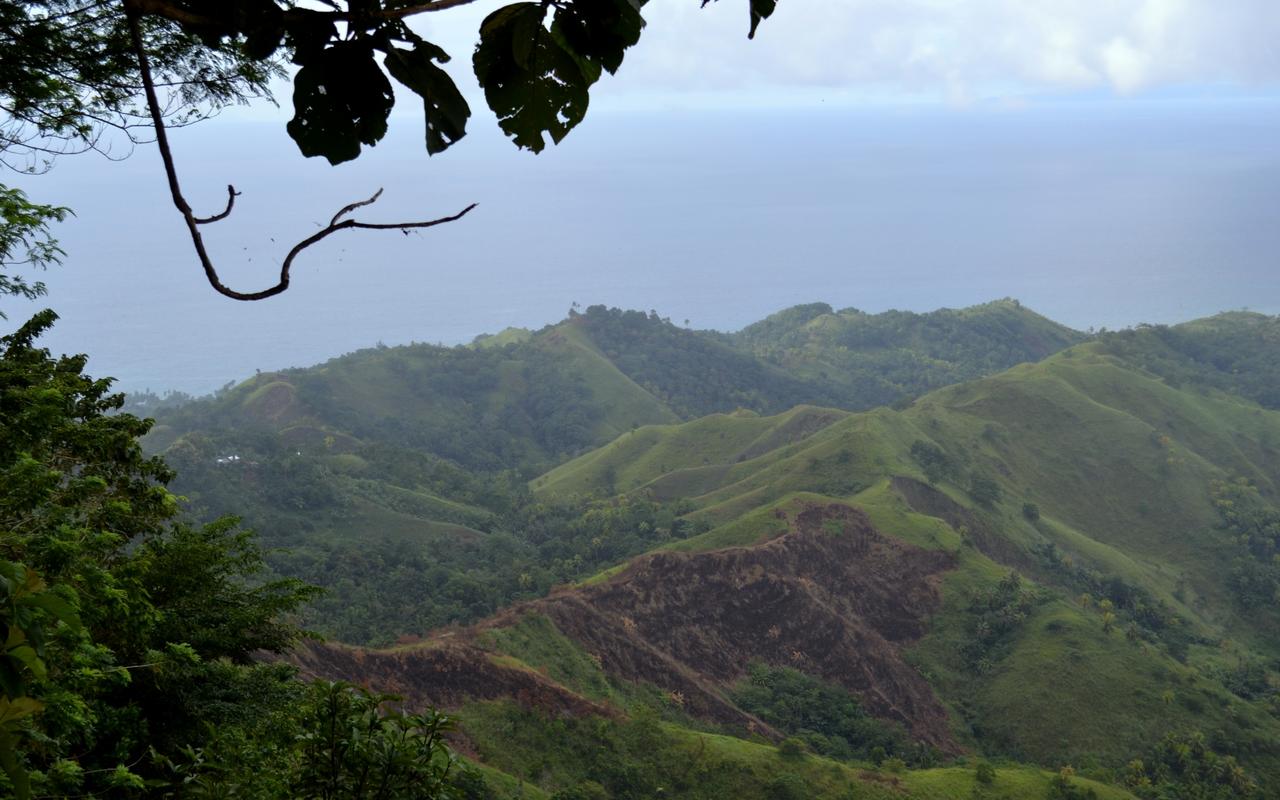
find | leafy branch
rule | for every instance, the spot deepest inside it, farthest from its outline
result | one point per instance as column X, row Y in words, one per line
column 337, row 223
column 76, row 69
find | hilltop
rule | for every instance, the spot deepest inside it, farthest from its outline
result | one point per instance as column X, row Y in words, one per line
column 527, row 399
column 887, row 357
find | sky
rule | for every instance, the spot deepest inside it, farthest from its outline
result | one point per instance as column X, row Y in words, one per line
column 1108, row 162
column 961, row 51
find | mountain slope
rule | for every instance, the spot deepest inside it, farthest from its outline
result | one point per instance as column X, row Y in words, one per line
column 523, row 401
column 407, row 461
column 1236, row 351
column 1099, row 482
column 830, row 597
column 1058, row 563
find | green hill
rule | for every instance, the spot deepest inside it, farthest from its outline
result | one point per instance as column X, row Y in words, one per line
column 1237, row 352
column 528, row 400
column 1055, row 564
column 403, row 460
column 686, row 456
column 1142, row 517
column 877, row 359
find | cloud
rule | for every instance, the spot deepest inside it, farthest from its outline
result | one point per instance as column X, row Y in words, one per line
column 958, row 47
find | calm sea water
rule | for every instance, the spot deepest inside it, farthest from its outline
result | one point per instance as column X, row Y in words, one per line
column 1104, row 214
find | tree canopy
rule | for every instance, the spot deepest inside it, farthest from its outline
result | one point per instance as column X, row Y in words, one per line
column 131, row 662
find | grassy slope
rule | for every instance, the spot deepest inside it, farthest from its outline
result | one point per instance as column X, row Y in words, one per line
column 684, row 456
column 1119, row 463
column 558, row 754
column 628, row 405
column 498, row 405
column 554, row 755
column 1117, row 460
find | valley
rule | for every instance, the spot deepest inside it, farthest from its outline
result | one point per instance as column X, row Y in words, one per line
column 632, row 557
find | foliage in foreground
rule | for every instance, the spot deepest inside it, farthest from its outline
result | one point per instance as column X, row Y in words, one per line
column 129, row 666
column 340, row 742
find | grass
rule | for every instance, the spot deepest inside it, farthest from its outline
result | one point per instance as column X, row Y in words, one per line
column 626, row 404
column 644, row 758
column 889, row 512
column 504, row 786
column 760, row 525
column 1010, row 783
column 1117, row 462
column 688, row 458
column 535, row 641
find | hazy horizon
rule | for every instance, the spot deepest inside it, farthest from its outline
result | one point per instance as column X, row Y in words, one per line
column 1100, row 214
column 1108, row 166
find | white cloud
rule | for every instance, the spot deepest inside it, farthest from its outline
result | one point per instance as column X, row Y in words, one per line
column 1127, row 67
column 958, row 47
column 955, row 51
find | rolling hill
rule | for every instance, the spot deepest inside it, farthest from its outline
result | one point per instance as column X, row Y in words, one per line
column 1060, row 561
column 400, row 461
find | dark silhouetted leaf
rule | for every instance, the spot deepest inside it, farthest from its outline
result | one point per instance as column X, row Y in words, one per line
column 760, row 10
column 599, row 31
column 308, row 34
column 445, row 108
column 341, row 100
column 262, row 24
column 531, row 81
column 261, row 42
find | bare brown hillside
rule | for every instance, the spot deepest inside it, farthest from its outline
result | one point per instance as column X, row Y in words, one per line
column 832, row 597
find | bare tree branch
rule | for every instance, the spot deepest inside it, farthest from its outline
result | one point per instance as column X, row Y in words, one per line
column 193, row 222
column 232, row 194
column 345, row 210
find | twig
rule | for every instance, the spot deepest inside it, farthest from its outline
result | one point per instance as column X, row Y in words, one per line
column 132, row 12
column 232, row 194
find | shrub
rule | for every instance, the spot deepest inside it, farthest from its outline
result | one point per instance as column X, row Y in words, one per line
column 787, row 787
column 985, row 773
column 984, row 491
column 792, row 747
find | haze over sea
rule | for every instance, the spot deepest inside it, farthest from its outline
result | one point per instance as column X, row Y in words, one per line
column 1093, row 212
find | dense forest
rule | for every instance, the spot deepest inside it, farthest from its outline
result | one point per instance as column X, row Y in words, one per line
column 134, row 638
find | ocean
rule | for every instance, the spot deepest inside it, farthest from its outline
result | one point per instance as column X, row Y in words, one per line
column 1107, row 213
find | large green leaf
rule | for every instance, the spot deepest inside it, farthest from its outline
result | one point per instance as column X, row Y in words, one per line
column 58, row 607
column 445, row 108
column 531, row 81
column 341, row 100
column 28, row 657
